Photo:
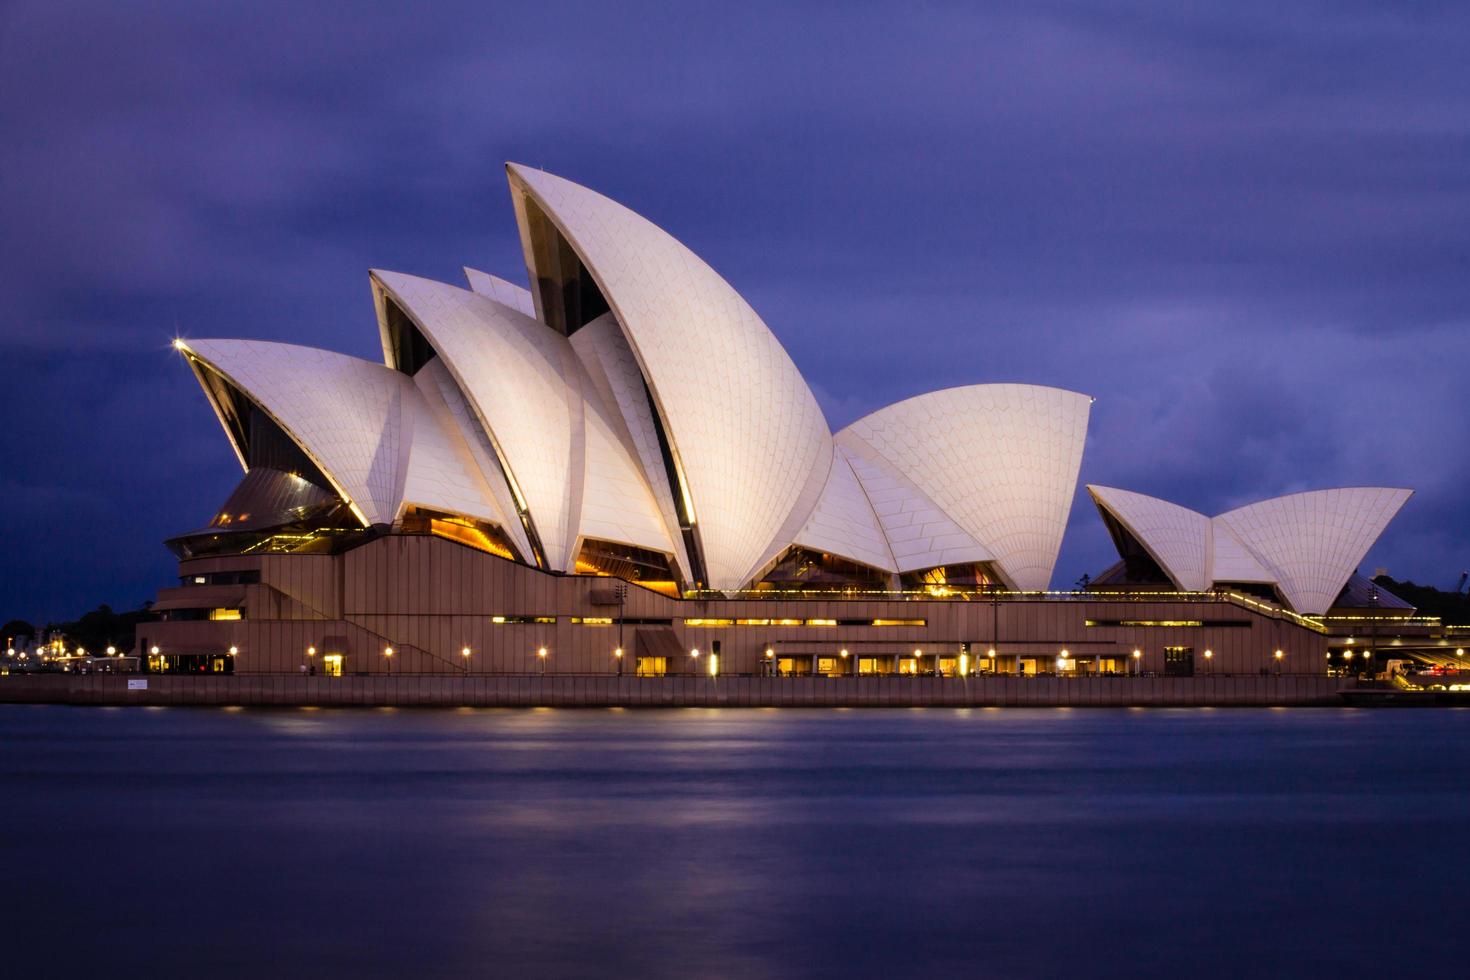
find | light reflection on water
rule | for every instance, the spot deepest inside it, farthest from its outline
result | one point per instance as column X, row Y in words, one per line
column 724, row 842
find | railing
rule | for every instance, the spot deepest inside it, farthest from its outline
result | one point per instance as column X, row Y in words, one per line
column 950, row 593
column 933, row 593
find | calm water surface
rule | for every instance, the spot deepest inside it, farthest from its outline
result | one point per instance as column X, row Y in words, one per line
column 733, row 843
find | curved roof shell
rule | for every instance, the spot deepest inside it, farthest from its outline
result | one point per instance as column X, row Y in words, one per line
column 1313, row 541
column 1305, row 544
column 844, row 522
column 443, row 473
column 520, row 379
column 557, row 442
column 918, row 532
column 506, row 293
column 746, row 434
column 611, row 371
column 367, row 428
column 1000, row 460
column 1176, row 537
column 1231, row 561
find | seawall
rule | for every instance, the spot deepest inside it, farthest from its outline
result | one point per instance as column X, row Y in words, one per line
column 638, row 692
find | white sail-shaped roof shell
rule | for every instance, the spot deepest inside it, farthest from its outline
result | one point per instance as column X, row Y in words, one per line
column 1000, row 460
column 368, row 429
column 612, row 373
column 617, row 504
column 1307, row 545
column 844, row 522
column 1176, row 537
column 434, row 378
column 556, row 439
column 918, row 532
column 509, row 294
column 519, row 377
column 443, row 473
column 1231, row 561
column 1312, row 542
column 744, row 429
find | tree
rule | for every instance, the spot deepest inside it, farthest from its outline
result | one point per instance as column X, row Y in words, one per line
column 1452, row 608
column 102, row 627
column 17, row 628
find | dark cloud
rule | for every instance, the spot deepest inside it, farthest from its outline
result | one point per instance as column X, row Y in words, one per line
column 1242, row 227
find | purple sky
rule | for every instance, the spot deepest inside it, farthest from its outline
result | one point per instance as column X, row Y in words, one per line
column 1244, row 228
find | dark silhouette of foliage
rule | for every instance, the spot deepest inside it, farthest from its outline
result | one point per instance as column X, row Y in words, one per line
column 1452, row 608
column 103, row 627
column 15, row 629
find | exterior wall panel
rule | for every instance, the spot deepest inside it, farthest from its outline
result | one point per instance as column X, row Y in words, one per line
column 429, row 597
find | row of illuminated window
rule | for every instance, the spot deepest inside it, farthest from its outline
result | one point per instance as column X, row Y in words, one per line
column 188, row 615
column 806, row 622
column 580, row 621
column 1238, row 623
column 611, row 621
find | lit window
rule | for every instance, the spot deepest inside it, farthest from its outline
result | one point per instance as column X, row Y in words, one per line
column 224, row 614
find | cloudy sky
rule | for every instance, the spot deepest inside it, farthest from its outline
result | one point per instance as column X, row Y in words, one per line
column 1244, row 228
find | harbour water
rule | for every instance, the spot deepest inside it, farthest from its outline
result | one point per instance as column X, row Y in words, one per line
column 733, row 843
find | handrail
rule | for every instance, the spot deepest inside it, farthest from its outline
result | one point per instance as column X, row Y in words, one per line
column 1008, row 595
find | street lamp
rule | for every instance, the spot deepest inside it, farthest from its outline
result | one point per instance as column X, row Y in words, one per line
column 694, row 655
column 541, row 653
column 465, row 653
column 388, row 658
column 111, row 652
column 1209, row 655
column 1138, row 662
column 1279, row 654
column 618, row 653
column 234, row 650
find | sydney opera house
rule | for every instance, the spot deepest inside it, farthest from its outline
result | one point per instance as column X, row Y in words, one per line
column 621, row 471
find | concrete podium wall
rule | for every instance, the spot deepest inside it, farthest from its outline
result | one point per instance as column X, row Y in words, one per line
column 602, row 691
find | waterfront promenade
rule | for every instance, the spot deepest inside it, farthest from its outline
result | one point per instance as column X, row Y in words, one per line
column 561, row 690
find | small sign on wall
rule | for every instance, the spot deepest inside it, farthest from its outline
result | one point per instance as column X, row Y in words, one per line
column 138, row 685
